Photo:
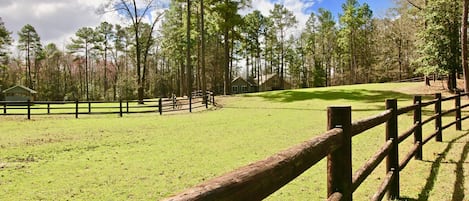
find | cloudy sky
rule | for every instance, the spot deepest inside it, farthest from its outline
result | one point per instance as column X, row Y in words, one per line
column 57, row 20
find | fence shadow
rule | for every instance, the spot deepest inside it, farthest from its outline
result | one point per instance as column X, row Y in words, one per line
column 458, row 192
column 368, row 96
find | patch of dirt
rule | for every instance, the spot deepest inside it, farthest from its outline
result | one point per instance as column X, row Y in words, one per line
column 438, row 86
column 12, row 166
column 40, row 141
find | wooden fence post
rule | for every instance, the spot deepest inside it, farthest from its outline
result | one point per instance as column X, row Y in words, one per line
column 213, row 99
column 89, row 107
column 160, row 106
column 339, row 162
column 418, row 129
column 48, row 108
column 439, row 136
column 29, row 109
column 190, row 103
column 120, row 107
column 392, row 161
column 206, row 101
column 127, row 106
column 5, row 108
column 457, row 103
column 76, row 109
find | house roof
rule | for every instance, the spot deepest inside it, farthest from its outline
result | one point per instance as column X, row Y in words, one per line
column 265, row 78
column 239, row 77
column 21, row 88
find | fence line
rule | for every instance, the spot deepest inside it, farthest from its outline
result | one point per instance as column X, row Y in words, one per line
column 414, row 79
column 258, row 180
column 161, row 105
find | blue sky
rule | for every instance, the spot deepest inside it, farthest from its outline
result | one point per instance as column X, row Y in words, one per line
column 378, row 7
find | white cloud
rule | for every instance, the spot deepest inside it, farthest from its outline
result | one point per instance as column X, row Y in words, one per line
column 298, row 8
column 264, row 6
column 57, row 20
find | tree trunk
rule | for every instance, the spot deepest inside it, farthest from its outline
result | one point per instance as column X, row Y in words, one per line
column 215, row 73
column 86, row 71
column 399, row 49
column 427, row 80
column 136, row 25
column 259, row 72
column 282, row 62
column 188, row 51
column 202, row 38
column 231, row 47
column 247, row 65
column 464, row 45
column 28, row 63
column 181, row 88
column 227, row 88
column 199, row 52
column 451, row 82
column 105, row 70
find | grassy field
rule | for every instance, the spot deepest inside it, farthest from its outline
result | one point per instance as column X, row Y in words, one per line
column 149, row 157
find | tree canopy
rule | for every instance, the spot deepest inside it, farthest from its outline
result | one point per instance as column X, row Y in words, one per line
column 205, row 44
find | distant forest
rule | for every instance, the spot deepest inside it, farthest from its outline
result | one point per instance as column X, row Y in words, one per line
column 204, row 44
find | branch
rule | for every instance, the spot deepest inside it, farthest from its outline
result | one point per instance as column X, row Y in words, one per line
column 129, row 12
column 148, row 6
column 149, row 41
column 415, row 5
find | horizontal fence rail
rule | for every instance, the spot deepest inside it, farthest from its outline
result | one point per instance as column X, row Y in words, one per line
column 260, row 179
column 415, row 79
column 278, row 170
column 161, row 105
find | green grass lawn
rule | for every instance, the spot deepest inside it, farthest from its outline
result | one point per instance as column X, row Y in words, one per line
column 149, row 157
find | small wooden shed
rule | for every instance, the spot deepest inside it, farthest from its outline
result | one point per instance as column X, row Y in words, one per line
column 19, row 93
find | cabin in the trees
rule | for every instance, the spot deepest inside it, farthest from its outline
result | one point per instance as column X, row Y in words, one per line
column 19, row 93
column 240, row 85
column 265, row 83
column 271, row 82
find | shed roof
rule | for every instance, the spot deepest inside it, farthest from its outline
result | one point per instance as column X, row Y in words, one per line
column 20, row 87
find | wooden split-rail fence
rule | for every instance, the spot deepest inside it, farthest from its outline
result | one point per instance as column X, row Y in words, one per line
column 161, row 105
column 258, row 180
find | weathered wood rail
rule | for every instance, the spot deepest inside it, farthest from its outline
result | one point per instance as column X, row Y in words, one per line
column 258, row 180
column 161, row 105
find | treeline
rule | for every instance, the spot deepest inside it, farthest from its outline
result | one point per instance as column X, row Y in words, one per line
column 204, row 44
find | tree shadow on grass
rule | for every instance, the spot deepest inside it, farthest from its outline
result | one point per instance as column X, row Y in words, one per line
column 363, row 95
column 377, row 108
column 458, row 192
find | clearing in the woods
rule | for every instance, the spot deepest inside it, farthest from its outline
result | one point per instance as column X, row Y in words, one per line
column 149, row 157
